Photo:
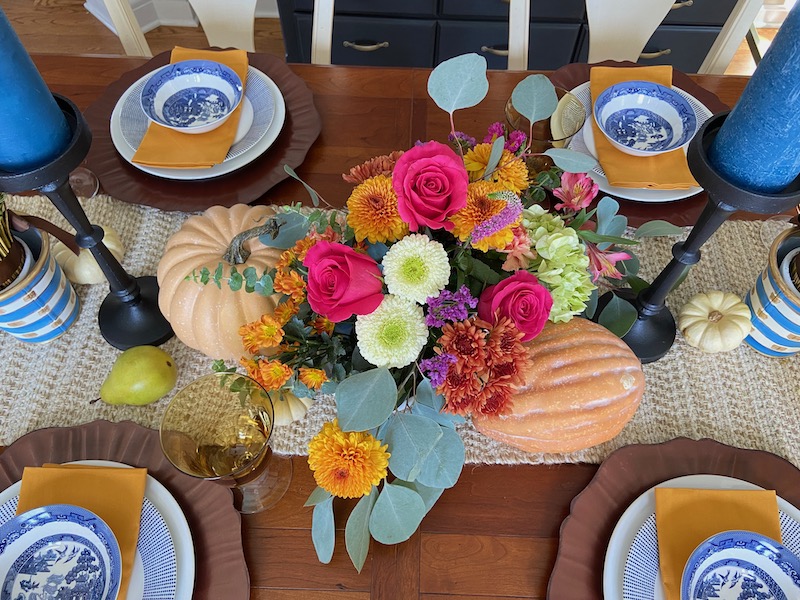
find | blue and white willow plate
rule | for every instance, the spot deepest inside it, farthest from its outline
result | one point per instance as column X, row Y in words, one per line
column 58, row 551
column 583, row 142
column 129, row 124
column 165, row 562
column 735, row 565
column 631, row 570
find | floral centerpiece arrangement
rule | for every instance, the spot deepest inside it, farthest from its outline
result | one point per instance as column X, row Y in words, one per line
column 413, row 305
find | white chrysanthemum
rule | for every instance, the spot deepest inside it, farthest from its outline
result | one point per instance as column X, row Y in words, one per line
column 394, row 334
column 416, row 268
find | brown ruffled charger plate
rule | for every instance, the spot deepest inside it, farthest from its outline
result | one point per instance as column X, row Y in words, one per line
column 628, row 473
column 220, row 568
column 680, row 212
column 125, row 182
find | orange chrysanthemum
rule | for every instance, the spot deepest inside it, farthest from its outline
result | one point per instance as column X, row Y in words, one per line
column 290, row 283
column 480, row 207
column 322, row 324
column 511, row 171
column 372, row 211
column 505, row 344
column 286, row 260
column 347, row 464
column 251, row 366
column 264, row 333
column 495, row 399
column 460, row 390
column 272, row 374
column 466, row 340
column 380, row 165
column 285, row 310
column 312, row 378
column 302, row 246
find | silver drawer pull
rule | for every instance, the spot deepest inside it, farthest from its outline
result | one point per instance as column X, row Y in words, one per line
column 684, row 4
column 655, row 54
column 495, row 51
column 364, row 47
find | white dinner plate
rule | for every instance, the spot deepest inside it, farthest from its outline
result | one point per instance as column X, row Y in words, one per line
column 165, row 552
column 583, row 142
column 129, row 123
column 631, row 569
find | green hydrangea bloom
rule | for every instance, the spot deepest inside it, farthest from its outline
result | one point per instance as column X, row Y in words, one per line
column 561, row 264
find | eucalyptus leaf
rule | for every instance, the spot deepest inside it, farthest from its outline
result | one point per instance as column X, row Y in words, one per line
column 606, row 240
column 397, row 513
column 591, row 304
column 411, row 438
column 534, row 98
column 657, row 228
column 571, row 161
column 637, row 284
column 424, row 394
column 629, row 267
column 442, row 418
column 311, row 191
column 317, row 496
column 356, row 531
column 609, row 222
column 292, row 227
column 494, row 157
column 323, row 532
column 377, row 251
column 429, row 495
column 365, row 400
column 459, row 82
column 443, row 464
column 618, row 316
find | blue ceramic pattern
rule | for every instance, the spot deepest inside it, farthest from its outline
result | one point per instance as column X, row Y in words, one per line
column 38, row 573
column 755, row 583
column 642, row 575
column 640, row 125
column 155, row 547
column 191, row 106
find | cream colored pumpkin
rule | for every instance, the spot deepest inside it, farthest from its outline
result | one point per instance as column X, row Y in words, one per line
column 83, row 268
column 206, row 317
column 287, row 407
column 715, row 321
column 583, row 386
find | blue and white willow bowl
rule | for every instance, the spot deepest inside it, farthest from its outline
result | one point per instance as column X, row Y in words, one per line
column 192, row 96
column 59, row 551
column 644, row 118
column 733, row 565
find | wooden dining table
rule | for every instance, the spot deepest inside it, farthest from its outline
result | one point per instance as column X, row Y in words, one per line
column 496, row 533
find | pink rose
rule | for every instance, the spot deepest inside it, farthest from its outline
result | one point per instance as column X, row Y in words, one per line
column 522, row 299
column 430, row 181
column 342, row 282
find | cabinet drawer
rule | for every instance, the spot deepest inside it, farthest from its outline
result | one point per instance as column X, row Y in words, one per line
column 551, row 44
column 411, row 42
column 688, row 47
column 556, row 10
column 701, row 12
column 376, row 7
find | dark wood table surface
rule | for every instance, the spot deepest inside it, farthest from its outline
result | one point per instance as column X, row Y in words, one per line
column 495, row 534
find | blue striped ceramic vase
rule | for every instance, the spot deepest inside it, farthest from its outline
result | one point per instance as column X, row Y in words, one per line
column 775, row 302
column 41, row 305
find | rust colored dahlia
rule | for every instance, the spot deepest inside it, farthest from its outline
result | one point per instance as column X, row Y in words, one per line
column 379, row 165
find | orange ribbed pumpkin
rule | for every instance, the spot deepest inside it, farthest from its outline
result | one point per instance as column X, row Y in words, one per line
column 584, row 385
column 205, row 317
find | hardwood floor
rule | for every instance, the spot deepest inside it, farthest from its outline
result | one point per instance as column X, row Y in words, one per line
column 64, row 26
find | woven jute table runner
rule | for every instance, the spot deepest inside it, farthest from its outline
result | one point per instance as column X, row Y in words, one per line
column 739, row 398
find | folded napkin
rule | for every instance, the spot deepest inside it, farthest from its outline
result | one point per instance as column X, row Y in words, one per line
column 666, row 171
column 163, row 147
column 113, row 494
column 685, row 518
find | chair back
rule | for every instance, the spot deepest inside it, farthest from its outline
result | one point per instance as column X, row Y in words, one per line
column 619, row 29
column 227, row 23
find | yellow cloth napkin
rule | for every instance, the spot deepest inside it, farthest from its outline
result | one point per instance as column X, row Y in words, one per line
column 163, row 147
column 113, row 494
column 685, row 518
column 666, row 171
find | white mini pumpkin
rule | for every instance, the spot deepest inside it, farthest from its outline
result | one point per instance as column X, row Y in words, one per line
column 287, row 407
column 83, row 268
column 715, row 321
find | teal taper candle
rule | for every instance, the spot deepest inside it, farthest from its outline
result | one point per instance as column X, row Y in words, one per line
column 758, row 146
column 33, row 129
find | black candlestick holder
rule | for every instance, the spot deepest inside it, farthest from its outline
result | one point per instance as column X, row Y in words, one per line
column 653, row 332
column 129, row 315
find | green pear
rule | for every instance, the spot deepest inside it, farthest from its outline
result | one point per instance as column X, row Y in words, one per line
column 139, row 376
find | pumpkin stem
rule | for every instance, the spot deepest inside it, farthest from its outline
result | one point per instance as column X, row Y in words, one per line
column 715, row 316
column 237, row 254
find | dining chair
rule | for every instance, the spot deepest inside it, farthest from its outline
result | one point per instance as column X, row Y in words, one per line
column 228, row 24
column 129, row 31
column 619, row 29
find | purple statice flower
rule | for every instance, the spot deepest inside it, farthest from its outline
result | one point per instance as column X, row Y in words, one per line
column 495, row 130
column 459, row 138
column 516, row 140
column 506, row 217
column 450, row 306
column 436, row 367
